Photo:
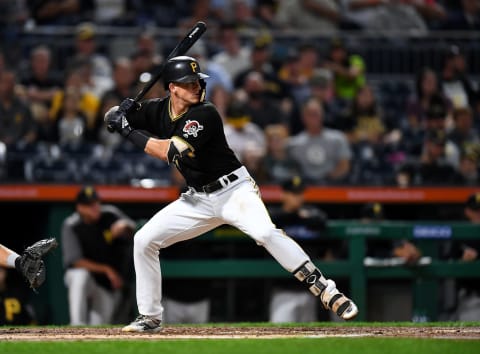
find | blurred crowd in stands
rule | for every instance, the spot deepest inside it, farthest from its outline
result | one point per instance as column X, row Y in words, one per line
column 295, row 97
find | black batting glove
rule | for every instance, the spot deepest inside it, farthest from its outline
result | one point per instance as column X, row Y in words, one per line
column 117, row 122
column 128, row 105
column 116, row 117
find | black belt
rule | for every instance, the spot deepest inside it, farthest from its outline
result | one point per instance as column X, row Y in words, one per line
column 216, row 185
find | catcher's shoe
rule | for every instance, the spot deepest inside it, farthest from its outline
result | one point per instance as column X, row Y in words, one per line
column 144, row 323
column 334, row 300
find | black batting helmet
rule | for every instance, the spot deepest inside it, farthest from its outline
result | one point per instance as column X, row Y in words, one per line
column 182, row 69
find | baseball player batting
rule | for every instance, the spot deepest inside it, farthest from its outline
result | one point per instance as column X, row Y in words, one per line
column 186, row 131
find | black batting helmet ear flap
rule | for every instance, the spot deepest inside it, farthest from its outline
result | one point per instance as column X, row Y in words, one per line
column 182, row 69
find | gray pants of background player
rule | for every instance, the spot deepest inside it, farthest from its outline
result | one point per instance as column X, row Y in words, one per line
column 293, row 306
column 88, row 302
column 468, row 307
column 194, row 213
column 183, row 312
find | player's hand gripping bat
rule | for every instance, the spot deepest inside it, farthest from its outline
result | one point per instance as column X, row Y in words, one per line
column 181, row 48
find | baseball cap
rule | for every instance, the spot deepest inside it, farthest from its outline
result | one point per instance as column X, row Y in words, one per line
column 473, row 201
column 237, row 115
column 437, row 136
column 321, row 77
column 263, row 41
column 294, row 185
column 85, row 31
column 87, row 195
column 372, row 211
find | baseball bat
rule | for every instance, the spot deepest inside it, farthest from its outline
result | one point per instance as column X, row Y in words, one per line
column 181, row 48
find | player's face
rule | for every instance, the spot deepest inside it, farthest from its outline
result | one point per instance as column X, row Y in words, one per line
column 292, row 201
column 90, row 213
column 473, row 215
column 189, row 92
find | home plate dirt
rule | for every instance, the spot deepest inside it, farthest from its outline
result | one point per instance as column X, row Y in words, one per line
column 227, row 332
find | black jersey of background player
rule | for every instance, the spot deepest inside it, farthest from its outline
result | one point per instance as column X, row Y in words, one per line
column 15, row 307
column 201, row 127
column 97, row 244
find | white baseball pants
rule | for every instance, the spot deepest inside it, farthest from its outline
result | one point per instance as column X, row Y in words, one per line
column 194, row 213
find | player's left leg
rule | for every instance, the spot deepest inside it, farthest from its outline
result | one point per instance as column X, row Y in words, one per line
column 244, row 209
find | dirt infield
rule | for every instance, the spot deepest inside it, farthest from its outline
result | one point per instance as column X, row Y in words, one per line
column 226, row 332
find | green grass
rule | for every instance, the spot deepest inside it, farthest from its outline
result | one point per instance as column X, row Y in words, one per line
column 328, row 345
column 257, row 346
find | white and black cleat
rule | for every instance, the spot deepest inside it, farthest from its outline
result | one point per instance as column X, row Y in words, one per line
column 144, row 324
column 334, row 300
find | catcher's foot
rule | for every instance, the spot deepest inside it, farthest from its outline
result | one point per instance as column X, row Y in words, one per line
column 334, row 300
column 144, row 324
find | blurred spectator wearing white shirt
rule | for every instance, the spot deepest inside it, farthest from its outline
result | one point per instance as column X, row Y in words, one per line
column 323, row 154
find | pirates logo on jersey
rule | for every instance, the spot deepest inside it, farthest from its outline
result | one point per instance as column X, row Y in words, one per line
column 192, row 127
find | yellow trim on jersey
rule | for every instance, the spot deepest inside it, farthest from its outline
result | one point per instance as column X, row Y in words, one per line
column 170, row 113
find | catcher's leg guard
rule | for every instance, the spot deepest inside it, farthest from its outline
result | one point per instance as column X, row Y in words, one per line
column 326, row 289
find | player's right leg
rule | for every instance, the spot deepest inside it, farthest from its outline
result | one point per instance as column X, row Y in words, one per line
column 181, row 220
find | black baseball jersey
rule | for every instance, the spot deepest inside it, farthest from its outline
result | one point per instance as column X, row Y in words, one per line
column 15, row 308
column 201, row 127
column 95, row 242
